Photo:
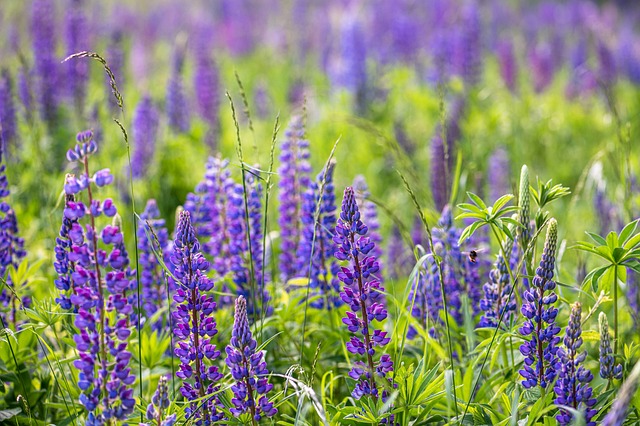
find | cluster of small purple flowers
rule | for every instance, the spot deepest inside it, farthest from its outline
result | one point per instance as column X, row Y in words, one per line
column 100, row 279
column 316, row 246
column 194, row 324
column 248, row 369
column 572, row 387
column 540, row 353
column 362, row 292
column 498, row 299
column 159, row 404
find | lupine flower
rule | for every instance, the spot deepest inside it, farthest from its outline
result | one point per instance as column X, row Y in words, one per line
column 439, row 181
column 248, row 369
column 159, row 403
column 63, row 266
column 607, row 72
column 115, row 59
column 471, row 45
column 350, row 69
column 399, row 256
column 245, row 244
column 206, row 87
column 540, row 352
column 618, row 411
column 572, row 387
column 369, row 213
column 145, row 133
column 608, row 369
column 508, row 64
column 541, row 63
column 152, row 276
column 496, row 302
column 316, row 247
column 11, row 250
column 294, row 182
column 45, row 63
column 362, row 292
column 195, row 325
column 100, row 280
column 77, row 38
column 498, row 171
column 25, row 91
column 177, row 107
column 426, row 293
column 7, row 111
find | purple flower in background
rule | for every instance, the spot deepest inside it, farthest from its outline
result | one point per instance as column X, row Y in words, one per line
column 294, row 182
column 248, row 369
column 176, row 102
column 145, row 134
column 471, row 44
column 25, row 91
column 45, row 62
column 207, row 89
column 350, row 64
column 540, row 352
column 11, row 251
column 572, row 387
column 100, row 280
column 508, row 64
column 608, row 369
column 362, row 292
column 152, row 276
column 498, row 173
column 622, row 402
column 77, row 39
column 542, row 66
column 7, row 111
column 607, row 71
column 439, row 182
column 399, row 256
column 194, row 325
column 316, row 248
column 159, row 403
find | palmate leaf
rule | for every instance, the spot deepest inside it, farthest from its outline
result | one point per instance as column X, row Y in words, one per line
column 627, row 232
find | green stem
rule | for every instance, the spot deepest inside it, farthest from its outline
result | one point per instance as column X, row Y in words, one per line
column 615, row 310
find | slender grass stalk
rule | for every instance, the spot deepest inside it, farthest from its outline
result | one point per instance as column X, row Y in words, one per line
column 438, row 262
column 15, row 360
column 252, row 278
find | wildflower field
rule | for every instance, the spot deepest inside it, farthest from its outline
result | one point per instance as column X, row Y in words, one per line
column 295, row 212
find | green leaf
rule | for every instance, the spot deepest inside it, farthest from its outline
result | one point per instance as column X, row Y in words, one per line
column 628, row 231
column 502, row 201
column 597, row 238
column 477, row 200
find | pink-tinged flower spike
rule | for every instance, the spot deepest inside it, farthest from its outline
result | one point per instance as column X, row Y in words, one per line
column 362, row 292
column 195, row 325
column 100, row 279
column 572, row 387
column 248, row 369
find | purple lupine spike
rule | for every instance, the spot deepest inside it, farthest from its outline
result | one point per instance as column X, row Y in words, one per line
column 362, row 292
column 572, row 387
column 369, row 213
column 145, row 133
column 206, row 87
column 245, row 245
column 177, row 107
column 195, row 325
column 77, row 38
column 608, row 70
column 11, row 251
column 159, row 403
column 471, row 40
column 628, row 54
column 498, row 172
column 399, row 257
column 496, row 301
column 100, row 279
column 115, row 59
column 294, row 182
column 316, row 246
column 248, row 369
column 608, row 368
column 45, row 63
column 153, row 238
column 541, row 63
column 439, row 181
column 622, row 402
column 350, row 67
column 7, row 111
column 508, row 64
column 25, row 92
column 62, row 265
column 540, row 352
